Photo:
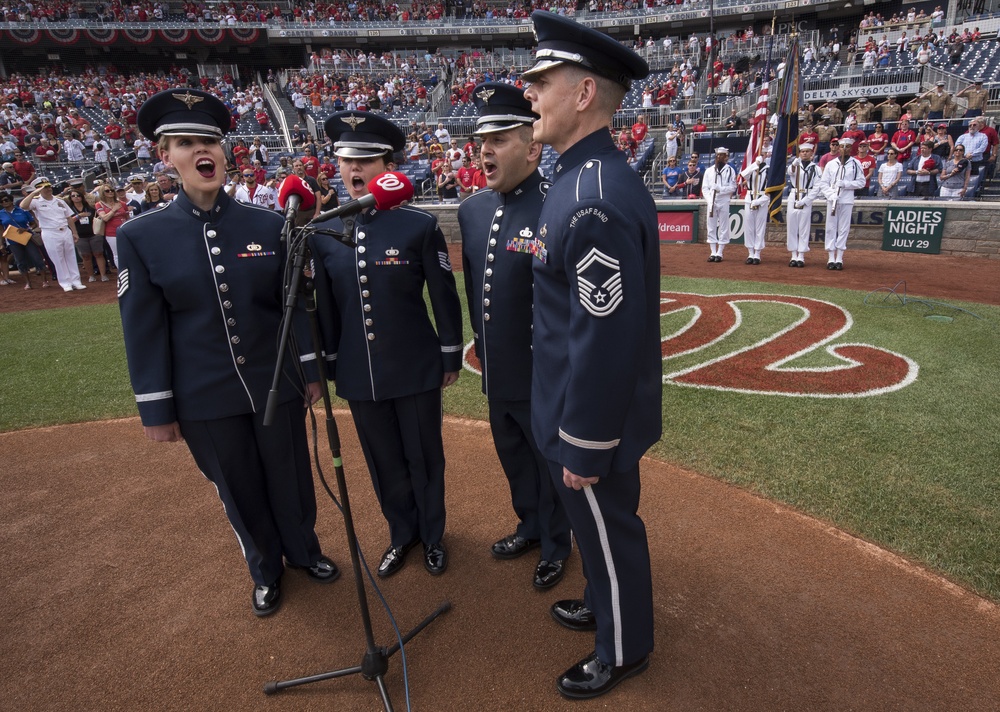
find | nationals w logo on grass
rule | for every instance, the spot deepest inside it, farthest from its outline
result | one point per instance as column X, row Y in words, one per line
column 771, row 364
column 762, row 366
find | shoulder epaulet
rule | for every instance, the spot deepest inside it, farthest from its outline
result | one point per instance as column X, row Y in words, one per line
column 589, row 180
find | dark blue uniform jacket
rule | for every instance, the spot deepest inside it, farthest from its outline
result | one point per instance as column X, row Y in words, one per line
column 597, row 381
column 498, row 238
column 201, row 302
column 378, row 337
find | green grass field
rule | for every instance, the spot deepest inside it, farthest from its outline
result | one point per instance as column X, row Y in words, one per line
column 914, row 470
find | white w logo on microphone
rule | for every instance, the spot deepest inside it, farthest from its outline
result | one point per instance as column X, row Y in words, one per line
column 389, row 181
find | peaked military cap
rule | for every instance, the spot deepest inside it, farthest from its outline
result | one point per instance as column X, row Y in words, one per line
column 501, row 107
column 183, row 112
column 361, row 134
column 563, row 41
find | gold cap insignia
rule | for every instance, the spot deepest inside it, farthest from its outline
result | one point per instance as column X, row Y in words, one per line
column 353, row 121
column 188, row 99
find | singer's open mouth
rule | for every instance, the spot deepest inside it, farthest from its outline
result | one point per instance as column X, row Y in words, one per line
column 206, row 167
column 357, row 182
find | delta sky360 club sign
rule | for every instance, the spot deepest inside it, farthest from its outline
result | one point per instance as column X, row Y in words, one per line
column 764, row 367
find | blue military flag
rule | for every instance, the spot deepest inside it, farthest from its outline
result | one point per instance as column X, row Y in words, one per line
column 787, row 131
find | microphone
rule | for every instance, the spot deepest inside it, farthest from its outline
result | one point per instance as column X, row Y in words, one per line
column 385, row 191
column 295, row 194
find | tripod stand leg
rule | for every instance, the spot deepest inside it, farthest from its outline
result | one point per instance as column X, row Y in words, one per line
column 443, row 608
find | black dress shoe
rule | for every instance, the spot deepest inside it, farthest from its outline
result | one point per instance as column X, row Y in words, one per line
column 749, row 260
column 548, row 574
column 322, row 571
column 435, row 559
column 801, row 264
column 513, row 546
column 839, row 266
column 831, row 265
column 793, row 263
column 393, row 560
column 265, row 600
column 591, row 678
column 756, row 260
column 574, row 615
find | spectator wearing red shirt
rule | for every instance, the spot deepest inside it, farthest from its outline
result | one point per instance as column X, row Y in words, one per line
column 639, row 129
column 114, row 132
column 310, row 163
column 834, row 152
column 470, row 148
column 867, row 161
column 466, row 176
column 856, row 135
column 262, row 119
column 48, row 151
column 808, row 135
column 990, row 155
column 903, row 139
column 878, row 142
column 23, row 167
column 327, row 168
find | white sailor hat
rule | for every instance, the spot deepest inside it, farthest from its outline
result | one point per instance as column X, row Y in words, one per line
column 807, row 146
column 722, row 149
column 846, row 141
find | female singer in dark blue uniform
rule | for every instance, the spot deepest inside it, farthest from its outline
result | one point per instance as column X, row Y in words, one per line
column 381, row 348
column 200, row 292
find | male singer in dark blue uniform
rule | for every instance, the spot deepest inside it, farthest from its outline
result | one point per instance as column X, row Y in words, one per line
column 200, row 293
column 596, row 386
column 498, row 236
column 389, row 361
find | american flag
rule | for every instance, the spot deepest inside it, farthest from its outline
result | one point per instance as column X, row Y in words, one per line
column 758, row 129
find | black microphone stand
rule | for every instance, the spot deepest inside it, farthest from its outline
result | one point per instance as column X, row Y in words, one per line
column 375, row 661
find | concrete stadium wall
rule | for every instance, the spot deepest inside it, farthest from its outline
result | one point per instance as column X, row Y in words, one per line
column 970, row 229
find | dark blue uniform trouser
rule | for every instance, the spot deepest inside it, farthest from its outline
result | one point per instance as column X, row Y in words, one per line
column 264, row 480
column 401, row 440
column 615, row 553
column 532, row 494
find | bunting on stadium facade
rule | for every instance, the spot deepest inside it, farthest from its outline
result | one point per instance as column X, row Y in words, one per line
column 67, row 36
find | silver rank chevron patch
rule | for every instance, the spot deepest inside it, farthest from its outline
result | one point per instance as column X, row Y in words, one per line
column 122, row 282
column 600, row 283
column 444, row 261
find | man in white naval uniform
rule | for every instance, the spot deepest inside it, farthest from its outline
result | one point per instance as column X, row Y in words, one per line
column 755, row 216
column 841, row 177
column 803, row 178
column 717, row 187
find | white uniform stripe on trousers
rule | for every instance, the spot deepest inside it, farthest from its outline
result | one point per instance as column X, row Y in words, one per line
column 616, row 611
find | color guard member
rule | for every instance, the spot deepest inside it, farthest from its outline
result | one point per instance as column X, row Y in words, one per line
column 803, row 179
column 717, row 187
column 755, row 216
column 842, row 176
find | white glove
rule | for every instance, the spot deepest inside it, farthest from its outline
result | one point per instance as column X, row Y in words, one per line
column 799, row 206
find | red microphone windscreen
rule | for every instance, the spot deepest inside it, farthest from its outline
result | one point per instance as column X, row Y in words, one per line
column 294, row 185
column 390, row 189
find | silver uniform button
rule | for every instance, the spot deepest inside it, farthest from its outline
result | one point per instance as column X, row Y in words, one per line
column 364, row 279
column 368, row 322
column 231, row 321
column 367, row 307
column 486, row 316
column 211, row 233
column 371, row 337
column 489, row 257
column 227, row 304
column 216, row 251
column 496, row 227
column 499, row 212
column 364, row 293
column 361, row 236
column 361, row 249
column 241, row 360
column 486, row 302
column 493, row 242
column 489, row 272
column 235, row 339
column 362, row 264
column 223, row 287
column 487, row 286
column 220, row 269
